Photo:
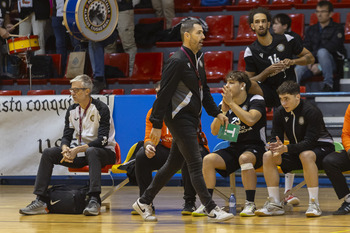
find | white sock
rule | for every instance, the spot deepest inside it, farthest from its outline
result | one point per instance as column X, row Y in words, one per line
column 275, row 193
column 289, row 180
column 313, row 193
column 347, row 198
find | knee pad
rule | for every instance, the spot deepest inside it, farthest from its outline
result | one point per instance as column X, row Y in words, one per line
column 246, row 166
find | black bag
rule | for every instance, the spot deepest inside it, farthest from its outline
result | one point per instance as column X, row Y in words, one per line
column 42, row 67
column 67, row 199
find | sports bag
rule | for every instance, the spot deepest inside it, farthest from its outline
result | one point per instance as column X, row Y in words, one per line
column 67, row 199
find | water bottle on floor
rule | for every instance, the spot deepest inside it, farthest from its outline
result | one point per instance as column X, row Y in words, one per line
column 232, row 204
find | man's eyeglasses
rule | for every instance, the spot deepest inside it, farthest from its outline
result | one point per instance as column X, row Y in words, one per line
column 322, row 12
column 76, row 90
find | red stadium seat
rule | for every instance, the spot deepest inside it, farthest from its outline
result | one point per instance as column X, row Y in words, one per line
column 220, row 29
column 217, row 65
column 57, row 63
column 152, row 20
column 314, row 20
column 182, row 5
column 347, row 28
column 216, row 90
column 244, row 5
column 282, row 4
column 119, row 60
column 298, row 22
column 241, row 62
column 269, row 114
column 112, row 92
column 143, row 91
column 147, row 67
column 245, row 35
column 7, row 81
column 41, row 92
column 310, row 4
column 342, row 4
column 10, row 92
column 65, row 92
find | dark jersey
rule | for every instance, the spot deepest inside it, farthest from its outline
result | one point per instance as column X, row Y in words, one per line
column 255, row 134
column 259, row 57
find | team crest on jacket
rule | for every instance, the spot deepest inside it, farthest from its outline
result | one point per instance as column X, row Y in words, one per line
column 286, row 119
column 301, row 120
column 92, row 118
column 280, row 48
column 189, row 65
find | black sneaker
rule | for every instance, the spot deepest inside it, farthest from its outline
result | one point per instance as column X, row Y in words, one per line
column 189, row 207
column 327, row 88
column 93, row 208
column 343, row 209
column 99, row 84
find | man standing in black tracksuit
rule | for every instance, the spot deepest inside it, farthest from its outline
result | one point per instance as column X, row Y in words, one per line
column 310, row 142
column 179, row 102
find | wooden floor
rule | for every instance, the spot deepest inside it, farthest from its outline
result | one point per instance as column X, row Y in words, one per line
column 168, row 205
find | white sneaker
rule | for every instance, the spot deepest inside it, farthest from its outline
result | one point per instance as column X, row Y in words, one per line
column 249, row 209
column 314, row 209
column 270, row 208
column 292, row 200
column 218, row 215
column 144, row 210
column 199, row 212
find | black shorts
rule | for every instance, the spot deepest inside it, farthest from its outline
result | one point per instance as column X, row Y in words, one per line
column 231, row 155
column 270, row 95
column 291, row 161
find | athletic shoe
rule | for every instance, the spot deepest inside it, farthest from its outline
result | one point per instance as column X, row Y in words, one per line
column 144, row 210
column 134, row 212
column 93, row 207
column 36, row 207
column 189, row 207
column 270, row 208
column 292, row 200
column 218, row 215
column 249, row 209
column 314, row 209
column 343, row 209
column 200, row 212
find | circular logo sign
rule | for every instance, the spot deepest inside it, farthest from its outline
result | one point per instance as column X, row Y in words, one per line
column 97, row 15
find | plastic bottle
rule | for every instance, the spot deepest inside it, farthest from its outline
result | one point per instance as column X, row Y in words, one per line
column 232, row 204
column 346, row 69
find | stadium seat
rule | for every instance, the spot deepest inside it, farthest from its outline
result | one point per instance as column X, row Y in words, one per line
column 143, row 11
column 298, row 24
column 182, row 5
column 217, row 65
column 342, row 4
column 245, row 35
column 143, row 91
column 61, row 81
column 241, row 61
column 41, row 92
column 152, row 20
column 216, row 90
column 245, row 5
column 147, row 67
column 112, row 92
column 10, row 92
column 347, row 28
column 65, row 92
column 198, row 7
column 7, row 82
column 314, row 20
column 119, row 60
column 220, row 29
column 57, row 63
column 310, row 4
column 282, row 4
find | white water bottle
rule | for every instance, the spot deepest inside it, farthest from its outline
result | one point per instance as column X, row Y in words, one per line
column 346, row 68
column 232, row 204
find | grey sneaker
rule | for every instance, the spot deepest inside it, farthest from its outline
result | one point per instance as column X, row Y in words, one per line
column 270, row 208
column 93, row 208
column 144, row 210
column 314, row 209
column 218, row 215
column 249, row 209
column 199, row 212
column 36, row 207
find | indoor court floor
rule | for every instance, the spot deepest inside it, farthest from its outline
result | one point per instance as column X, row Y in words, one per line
column 168, row 206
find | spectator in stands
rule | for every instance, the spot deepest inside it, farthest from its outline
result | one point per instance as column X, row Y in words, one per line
column 325, row 40
column 152, row 157
column 38, row 12
column 336, row 163
column 269, row 60
column 5, row 26
column 309, row 143
column 89, row 120
column 126, row 27
column 164, row 8
column 281, row 25
column 179, row 102
column 249, row 113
